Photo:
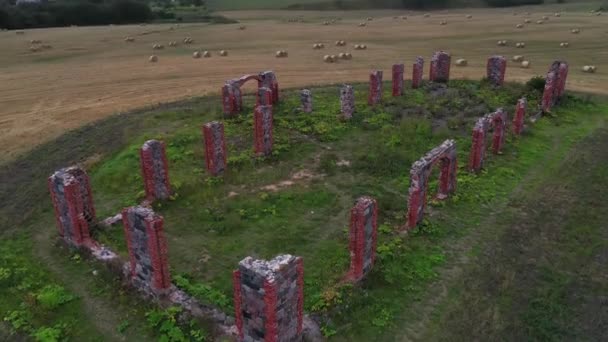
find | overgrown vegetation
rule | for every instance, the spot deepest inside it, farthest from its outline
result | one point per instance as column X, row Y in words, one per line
column 261, row 208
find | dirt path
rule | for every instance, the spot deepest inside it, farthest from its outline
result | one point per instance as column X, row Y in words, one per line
column 539, row 277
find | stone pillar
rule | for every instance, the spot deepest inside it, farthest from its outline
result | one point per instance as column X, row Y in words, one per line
column 155, row 170
column 347, row 101
column 269, row 80
column 215, row 147
column 417, row 72
column 269, row 299
column 563, row 76
column 440, row 67
column 496, row 68
column 445, row 155
column 72, row 199
column 398, row 71
column 232, row 99
column 375, row 87
column 520, row 116
column 306, row 99
column 147, row 249
column 264, row 97
column 499, row 123
column 550, row 85
column 262, row 118
column 363, row 237
column 478, row 147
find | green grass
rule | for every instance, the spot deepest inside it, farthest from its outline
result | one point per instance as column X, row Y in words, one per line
column 209, row 230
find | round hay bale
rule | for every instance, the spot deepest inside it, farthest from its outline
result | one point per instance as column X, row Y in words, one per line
column 403, row 17
column 519, row 26
column 334, row 58
column 525, row 64
column 564, row 44
column 342, row 55
column 518, row 58
column 545, row 18
column 349, row 55
column 462, row 62
column 520, row 45
column 370, row 18
column 153, row 59
column 557, row 14
column 325, row 23
column 443, row 23
column 315, row 46
column 362, row 24
column 589, row 69
column 196, row 54
column 357, row 47
column 469, row 16
column 363, row 47
column 427, row 15
column 34, row 49
column 206, row 54
column 328, row 59
column 501, row 43
column 242, row 27
column 540, row 22
column 224, row 53
column 527, row 21
column 575, row 31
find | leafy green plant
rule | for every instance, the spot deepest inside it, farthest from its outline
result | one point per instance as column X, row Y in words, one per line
column 203, row 292
column 52, row 296
column 165, row 324
column 50, row 334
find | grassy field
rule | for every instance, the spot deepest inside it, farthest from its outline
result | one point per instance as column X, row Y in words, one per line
column 91, row 73
column 297, row 201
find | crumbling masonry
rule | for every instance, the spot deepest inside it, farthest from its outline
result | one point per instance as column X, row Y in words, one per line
column 555, row 85
column 445, row 154
column 417, row 72
column 496, row 68
column 264, row 97
column 269, row 299
column 497, row 120
column 232, row 96
column 155, row 170
column 306, row 100
column 147, row 249
column 347, row 101
column 215, row 147
column 440, row 67
column 70, row 190
column 363, row 237
column 398, row 71
column 375, row 87
column 520, row 116
column 262, row 121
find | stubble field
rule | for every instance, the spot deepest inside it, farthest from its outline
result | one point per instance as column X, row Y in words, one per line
column 91, row 73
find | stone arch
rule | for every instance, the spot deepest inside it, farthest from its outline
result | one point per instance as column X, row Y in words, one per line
column 232, row 96
column 443, row 155
column 496, row 120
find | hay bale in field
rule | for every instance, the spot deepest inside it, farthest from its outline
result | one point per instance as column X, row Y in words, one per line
column 557, row 14
column 469, row 16
column 520, row 45
column 34, row 48
column 525, row 64
column 224, row 53
column 281, row 54
column 589, row 69
column 545, row 18
column 362, row 24
column 462, row 62
column 349, row 55
column 35, row 41
column 370, row 18
column 519, row 26
column 153, row 59
column 325, row 23
column 196, row 54
column 427, row 15
column 328, row 59
column 443, row 23
column 334, row 58
column 129, row 39
column 575, row 30
column 527, row 21
column 242, row 27
column 403, row 17
column 518, row 58
column 342, row 55
column 501, row 43
column 206, row 54
column 540, row 22
column 564, row 44
column 188, row 40
column 340, row 43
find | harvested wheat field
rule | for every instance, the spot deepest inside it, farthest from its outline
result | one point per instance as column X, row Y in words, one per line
column 87, row 73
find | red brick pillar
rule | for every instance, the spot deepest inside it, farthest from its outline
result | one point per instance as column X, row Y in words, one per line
column 269, row 298
column 398, row 71
column 375, row 87
column 563, row 76
column 499, row 123
column 520, row 116
column 268, row 79
column 215, row 147
column 264, row 97
column 155, row 170
column 440, row 67
column 478, row 147
column 147, row 249
column 72, row 199
column 496, row 68
column 551, row 84
column 263, row 130
column 363, row 237
column 232, row 99
column 417, row 72
column 347, row 101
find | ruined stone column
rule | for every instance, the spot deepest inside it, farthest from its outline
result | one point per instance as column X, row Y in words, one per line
column 478, row 147
column 232, row 99
column 263, row 130
column 496, row 68
column 444, row 154
column 440, row 67
column 375, row 87
column 563, row 76
column 347, row 101
column 499, row 123
column 155, row 170
column 264, row 97
column 147, row 249
column 269, row 299
column 306, row 99
column 72, row 198
column 363, row 237
column 417, row 72
column 398, row 71
column 520, row 116
column 550, row 85
column 268, row 79
column 215, row 147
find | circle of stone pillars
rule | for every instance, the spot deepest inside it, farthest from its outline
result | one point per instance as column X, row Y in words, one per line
column 155, row 170
column 232, row 96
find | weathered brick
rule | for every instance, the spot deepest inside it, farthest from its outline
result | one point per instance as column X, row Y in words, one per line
column 215, row 147
column 155, row 170
column 417, row 72
column 363, row 237
column 306, row 100
column 398, row 71
column 375, row 87
column 440, row 67
column 496, row 68
column 347, row 101
column 263, row 127
column 520, row 116
column 497, row 120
